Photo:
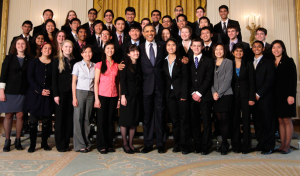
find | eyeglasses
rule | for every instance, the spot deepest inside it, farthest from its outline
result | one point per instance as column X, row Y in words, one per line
column 180, row 21
column 166, row 21
column 92, row 13
column 178, row 10
column 105, row 34
column 108, row 15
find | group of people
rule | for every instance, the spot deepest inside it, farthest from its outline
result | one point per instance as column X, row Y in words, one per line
column 199, row 72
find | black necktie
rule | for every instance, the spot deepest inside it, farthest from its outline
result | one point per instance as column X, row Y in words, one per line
column 136, row 44
column 206, row 48
column 98, row 42
column 152, row 55
column 224, row 27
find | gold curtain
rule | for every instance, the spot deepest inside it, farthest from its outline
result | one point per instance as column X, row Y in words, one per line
column 143, row 8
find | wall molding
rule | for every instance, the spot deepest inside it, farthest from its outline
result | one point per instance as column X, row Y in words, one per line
column 4, row 22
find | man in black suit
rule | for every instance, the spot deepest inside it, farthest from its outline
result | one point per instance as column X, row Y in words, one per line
column 135, row 32
column 81, row 42
column 155, row 17
column 200, row 12
column 206, row 34
column 96, row 41
column 74, row 24
column 233, row 32
column 264, row 121
column 92, row 15
column 201, row 78
column 152, row 55
column 205, row 22
column 108, row 17
column 178, row 11
column 130, row 15
column 119, row 37
column 181, row 22
column 221, row 27
column 26, row 28
column 47, row 14
column 167, row 23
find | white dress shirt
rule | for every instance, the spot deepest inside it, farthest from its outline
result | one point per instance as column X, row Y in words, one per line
column 26, row 37
column 75, row 36
column 147, row 47
column 157, row 28
column 120, row 35
column 97, row 39
column 85, row 75
column 198, row 57
column 257, row 60
column 226, row 22
column 208, row 44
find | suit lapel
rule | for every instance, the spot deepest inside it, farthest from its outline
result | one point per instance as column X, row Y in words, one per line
column 260, row 63
column 145, row 58
column 242, row 69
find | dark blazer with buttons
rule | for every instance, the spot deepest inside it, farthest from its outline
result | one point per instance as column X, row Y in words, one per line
column 246, row 51
column 158, row 35
column 153, row 75
column 244, row 85
column 182, row 51
column 201, row 78
column 87, row 27
column 223, row 78
column 77, row 52
column 71, row 37
column 118, row 48
column 265, row 79
column 14, row 75
column 179, row 79
column 61, row 82
column 219, row 29
column 208, row 53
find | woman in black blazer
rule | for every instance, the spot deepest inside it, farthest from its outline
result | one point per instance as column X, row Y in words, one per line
column 131, row 96
column 62, row 93
column 185, row 44
column 13, row 87
column 39, row 98
column 176, row 79
column 66, row 27
column 285, row 93
column 243, row 86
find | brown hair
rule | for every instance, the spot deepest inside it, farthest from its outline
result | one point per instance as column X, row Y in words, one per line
column 67, row 21
column 214, row 50
column 42, row 46
column 13, row 49
column 55, row 43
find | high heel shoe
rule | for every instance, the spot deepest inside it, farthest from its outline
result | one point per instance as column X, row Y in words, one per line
column 129, row 151
column 6, row 147
column 18, row 145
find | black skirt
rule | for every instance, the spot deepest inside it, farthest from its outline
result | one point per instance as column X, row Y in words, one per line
column 131, row 113
column 283, row 109
column 223, row 104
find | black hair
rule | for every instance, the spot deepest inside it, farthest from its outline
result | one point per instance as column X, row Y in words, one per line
column 233, row 26
column 136, row 26
column 260, row 42
column 119, row 18
column 167, row 16
column 46, row 38
column 200, row 8
column 205, row 19
column 93, row 9
column 223, row 7
column 177, row 53
column 80, row 27
column 206, row 28
column 149, row 25
column 85, row 47
column 75, row 19
column 48, row 10
column 156, row 11
column 182, row 15
column 108, row 10
column 128, row 61
column 264, row 30
column 237, row 46
column 98, row 22
column 198, row 39
column 214, row 49
column 178, row 6
column 33, row 46
column 145, row 19
column 103, row 58
column 280, row 42
column 129, row 9
column 27, row 22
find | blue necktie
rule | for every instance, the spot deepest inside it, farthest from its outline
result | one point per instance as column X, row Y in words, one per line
column 152, row 55
column 196, row 62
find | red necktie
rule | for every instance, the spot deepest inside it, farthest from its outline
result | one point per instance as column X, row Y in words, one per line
column 91, row 29
column 120, row 39
column 109, row 29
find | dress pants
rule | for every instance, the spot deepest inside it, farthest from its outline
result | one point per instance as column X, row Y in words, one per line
column 105, row 125
column 153, row 118
column 203, row 141
column 64, row 120
column 82, row 115
column 180, row 122
column 241, row 105
column 264, row 124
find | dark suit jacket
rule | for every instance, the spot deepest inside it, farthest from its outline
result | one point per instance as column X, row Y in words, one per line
column 265, row 79
column 67, row 29
column 182, row 51
column 14, row 75
column 225, row 39
column 201, row 78
column 39, row 29
column 113, row 30
column 118, row 48
column 244, row 85
column 71, row 37
column 127, row 26
column 179, row 79
column 174, row 27
column 267, row 52
column 246, row 51
column 13, row 40
column 158, row 35
column 97, row 51
column 208, row 53
column 77, row 52
column 87, row 27
column 61, row 82
column 131, row 83
column 153, row 75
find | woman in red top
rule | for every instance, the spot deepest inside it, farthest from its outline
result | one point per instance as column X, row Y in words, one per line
column 106, row 89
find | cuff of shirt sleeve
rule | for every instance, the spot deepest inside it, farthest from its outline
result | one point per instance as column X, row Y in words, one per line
column 2, row 85
column 258, row 95
column 198, row 93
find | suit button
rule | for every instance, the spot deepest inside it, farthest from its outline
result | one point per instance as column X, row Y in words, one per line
column 196, row 80
column 196, row 73
column 238, row 86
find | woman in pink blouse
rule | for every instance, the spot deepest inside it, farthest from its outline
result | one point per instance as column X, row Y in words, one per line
column 106, row 89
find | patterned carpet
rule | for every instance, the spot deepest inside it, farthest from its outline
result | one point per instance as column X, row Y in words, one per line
column 73, row 163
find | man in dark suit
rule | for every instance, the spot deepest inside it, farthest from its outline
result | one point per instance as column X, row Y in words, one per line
column 74, row 24
column 264, row 121
column 108, row 17
column 47, row 14
column 81, row 42
column 152, row 55
column 200, row 12
column 156, row 16
column 261, row 35
column 221, row 27
column 233, row 32
column 26, row 28
column 178, row 11
column 206, row 34
column 135, row 32
column 205, row 22
column 201, row 78
column 167, row 23
column 130, row 15
column 181, row 22
column 92, row 15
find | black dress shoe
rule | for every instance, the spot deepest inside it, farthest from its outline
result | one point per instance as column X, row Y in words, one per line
column 197, row 150
column 277, row 150
column 245, row 152
column 6, row 147
column 135, row 150
column 236, row 151
column 31, row 149
column 205, row 152
column 185, row 151
column 266, row 152
column 103, row 151
column 161, row 149
column 88, row 149
column 111, row 150
column 129, row 151
column 46, row 147
column 285, row 152
column 67, row 149
column 18, row 145
column 146, row 150
column 224, row 150
column 61, row 150
column 176, row 149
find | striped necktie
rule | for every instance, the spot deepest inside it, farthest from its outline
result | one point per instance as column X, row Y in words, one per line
column 91, row 29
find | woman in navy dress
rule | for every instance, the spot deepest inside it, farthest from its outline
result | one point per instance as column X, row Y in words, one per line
column 39, row 99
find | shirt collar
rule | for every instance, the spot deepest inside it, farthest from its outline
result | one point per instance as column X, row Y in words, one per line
column 119, row 34
column 259, row 58
column 84, row 43
column 73, row 33
column 27, row 37
column 90, row 23
column 138, row 42
column 199, row 56
column 97, row 36
column 189, row 43
column 83, row 63
column 107, row 62
column 208, row 44
column 265, row 44
column 226, row 22
column 148, row 43
column 235, row 41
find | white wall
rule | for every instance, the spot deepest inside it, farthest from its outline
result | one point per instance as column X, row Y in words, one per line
column 21, row 10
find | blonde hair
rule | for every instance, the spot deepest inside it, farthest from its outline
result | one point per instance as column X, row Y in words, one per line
column 61, row 57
